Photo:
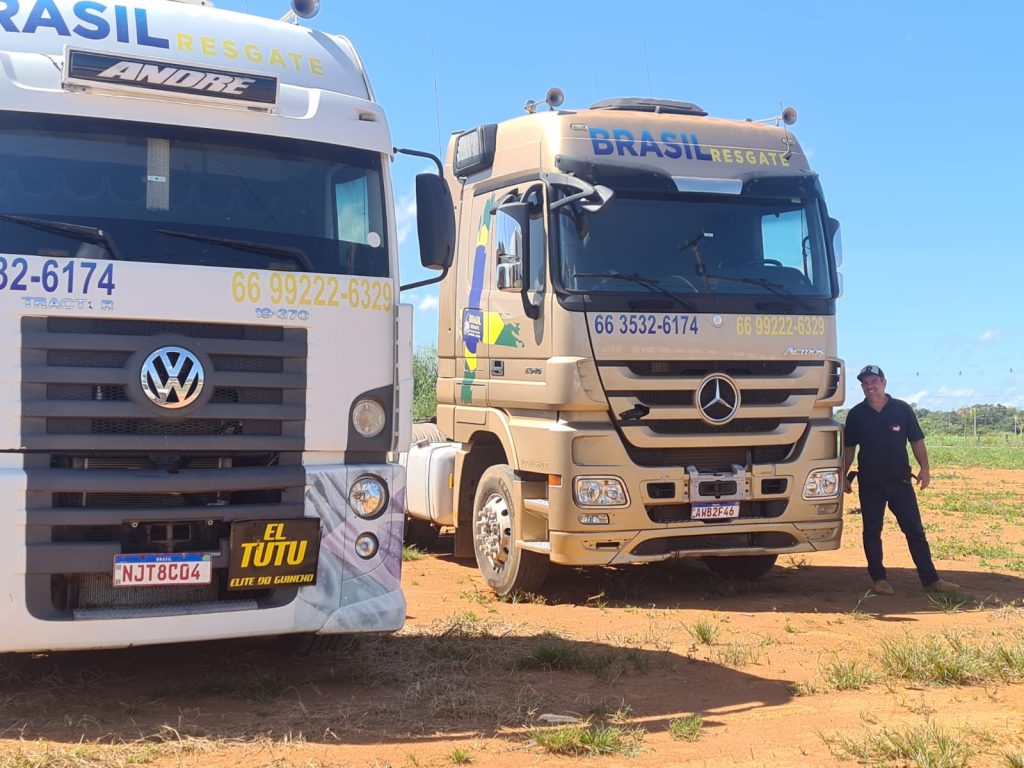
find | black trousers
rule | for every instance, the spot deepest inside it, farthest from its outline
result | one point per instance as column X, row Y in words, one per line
column 902, row 501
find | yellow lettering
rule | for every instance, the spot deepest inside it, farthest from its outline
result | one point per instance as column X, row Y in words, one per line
column 764, row 159
column 727, row 154
column 296, row 60
column 716, row 156
column 751, row 157
column 264, row 554
column 230, row 49
column 773, row 156
column 316, row 67
column 297, row 552
column 281, row 550
column 785, row 160
column 274, row 532
column 252, row 53
column 276, row 58
column 208, row 46
column 247, row 552
column 184, row 42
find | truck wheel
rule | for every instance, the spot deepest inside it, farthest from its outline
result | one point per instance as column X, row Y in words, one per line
column 741, row 567
column 421, row 534
column 505, row 567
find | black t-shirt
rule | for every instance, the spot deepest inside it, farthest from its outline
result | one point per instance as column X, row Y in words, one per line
column 882, row 437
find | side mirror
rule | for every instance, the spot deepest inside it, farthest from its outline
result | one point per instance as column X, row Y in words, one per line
column 435, row 221
column 837, row 240
column 512, row 239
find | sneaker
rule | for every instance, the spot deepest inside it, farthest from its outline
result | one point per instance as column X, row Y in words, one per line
column 883, row 587
column 942, row 586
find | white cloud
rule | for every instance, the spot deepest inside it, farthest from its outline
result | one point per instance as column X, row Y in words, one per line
column 405, row 215
column 990, row 335
column 427, row 303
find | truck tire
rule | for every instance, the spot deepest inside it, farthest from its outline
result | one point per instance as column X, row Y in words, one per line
column 505, row 567
column 428, row 431
column 741, row 567
column 421, row 534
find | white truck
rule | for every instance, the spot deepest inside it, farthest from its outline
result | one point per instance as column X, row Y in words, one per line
column 207, row 368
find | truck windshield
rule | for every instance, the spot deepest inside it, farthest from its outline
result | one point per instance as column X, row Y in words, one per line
column 697, row 245
column 183, row 196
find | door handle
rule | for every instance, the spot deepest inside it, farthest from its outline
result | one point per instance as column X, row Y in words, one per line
column 497, row 367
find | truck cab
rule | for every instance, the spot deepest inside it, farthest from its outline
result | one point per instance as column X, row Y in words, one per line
column 637, row 344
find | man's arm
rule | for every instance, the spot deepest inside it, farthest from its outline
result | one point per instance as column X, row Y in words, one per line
column 847, row 461
column 921, row 454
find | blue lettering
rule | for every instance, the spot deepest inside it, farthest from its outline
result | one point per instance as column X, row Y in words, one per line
column 701, row 154
column 7, row 10
column 84, row 12
column 624, row 141
column 648, row 144
column 599, row 138
column 121, row 23
column 142, row 29
column 45, row 14
column 672, row 149
column 686, row 146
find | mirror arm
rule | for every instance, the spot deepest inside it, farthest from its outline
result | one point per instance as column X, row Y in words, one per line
column 428, row 281
column 418, row 153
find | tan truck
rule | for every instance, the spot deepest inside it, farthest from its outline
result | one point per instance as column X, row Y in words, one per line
column 637, row 346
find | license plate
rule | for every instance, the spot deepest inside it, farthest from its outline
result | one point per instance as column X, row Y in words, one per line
column 705, row 511
column 162, row 570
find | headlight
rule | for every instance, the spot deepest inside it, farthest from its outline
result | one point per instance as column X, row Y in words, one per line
column 822, row 484
column 368, row 417
column 599, row 492
column 366, row 545
column 368, row 496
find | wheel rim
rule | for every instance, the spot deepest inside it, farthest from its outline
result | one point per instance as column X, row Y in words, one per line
column 494, row 532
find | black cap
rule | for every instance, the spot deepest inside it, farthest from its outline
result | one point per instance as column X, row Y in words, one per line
column 870, row 370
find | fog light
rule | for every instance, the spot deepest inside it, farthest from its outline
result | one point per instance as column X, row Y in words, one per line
column 599, row 492
column 828, row 509
column 368, row 496
column 366, row 545
column 594, row 518
column 822, row 484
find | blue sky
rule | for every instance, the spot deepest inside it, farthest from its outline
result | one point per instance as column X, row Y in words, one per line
column 910, row 112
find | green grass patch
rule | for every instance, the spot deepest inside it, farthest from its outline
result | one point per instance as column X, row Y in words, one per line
column 844, row 675
column 686, row 728
column 704, row 632
column 949, row 660
column 563, row 656
column 460, row 756
column 587, row 740
column 945, row 452
column 974, row 503
column 410, row 553
column 927, row 746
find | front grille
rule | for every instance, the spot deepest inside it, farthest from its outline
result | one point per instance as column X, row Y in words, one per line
column 773, row 403
column 109, row 472
column 708, row 459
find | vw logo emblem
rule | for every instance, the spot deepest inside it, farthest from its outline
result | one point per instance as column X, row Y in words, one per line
column 172, row 377
column 718, row 399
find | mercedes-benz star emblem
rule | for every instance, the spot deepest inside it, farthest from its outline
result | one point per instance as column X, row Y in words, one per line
column 718, row 399
column 172, row 377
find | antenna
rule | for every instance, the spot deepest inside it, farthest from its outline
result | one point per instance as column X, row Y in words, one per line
column 647, row 66
column 437, row 100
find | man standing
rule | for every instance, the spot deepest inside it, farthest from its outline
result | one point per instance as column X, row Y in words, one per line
column 881, row 426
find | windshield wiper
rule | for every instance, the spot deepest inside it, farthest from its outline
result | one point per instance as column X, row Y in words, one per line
column 294, row 254
column 778, row 290
column 650, row 283
column 91, row 235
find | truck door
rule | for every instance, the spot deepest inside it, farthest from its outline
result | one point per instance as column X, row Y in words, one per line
column 475, row 272
column 519, row 345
